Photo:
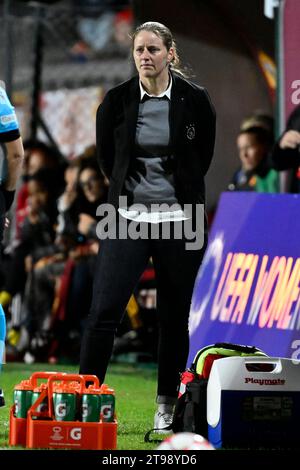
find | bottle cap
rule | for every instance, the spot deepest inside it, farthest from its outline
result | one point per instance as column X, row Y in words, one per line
column 24, row 385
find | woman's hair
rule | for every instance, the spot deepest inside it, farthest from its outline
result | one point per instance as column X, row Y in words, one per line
column 166, row 36
column 51, row 153
column 91, row 164
column 46, row 179
column 263, row 136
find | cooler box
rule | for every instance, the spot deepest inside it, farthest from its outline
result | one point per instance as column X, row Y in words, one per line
column 254, row 402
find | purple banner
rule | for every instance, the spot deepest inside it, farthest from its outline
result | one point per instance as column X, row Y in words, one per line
column 248, row 288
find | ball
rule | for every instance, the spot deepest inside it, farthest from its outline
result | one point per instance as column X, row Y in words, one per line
column 185, row 441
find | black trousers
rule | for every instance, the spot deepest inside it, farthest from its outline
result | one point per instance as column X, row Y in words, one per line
column 119, row 267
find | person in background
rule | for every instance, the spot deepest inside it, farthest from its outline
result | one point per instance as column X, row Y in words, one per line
column 68, row 207
column 259, row 119
column 155, row 140
column 38, row 155
column 10, row 137
column 254, row 145
column 36, row 236
column 286, row 152
column 97, row 21
column 92, row 186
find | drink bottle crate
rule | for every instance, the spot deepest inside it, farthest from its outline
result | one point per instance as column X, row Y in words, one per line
column 17, row 429
column 48, row 429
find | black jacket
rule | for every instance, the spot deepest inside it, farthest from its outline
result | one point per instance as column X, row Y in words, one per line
column 283, row 159
column 192, row 133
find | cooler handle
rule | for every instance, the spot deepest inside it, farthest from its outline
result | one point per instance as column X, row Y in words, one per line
column 275, row 361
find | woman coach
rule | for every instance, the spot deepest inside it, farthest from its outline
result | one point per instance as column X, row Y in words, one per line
column 155, row 140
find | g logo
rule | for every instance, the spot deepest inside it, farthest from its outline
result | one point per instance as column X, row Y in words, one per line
column 75, row 434
column 106, row 411
column 61, row 410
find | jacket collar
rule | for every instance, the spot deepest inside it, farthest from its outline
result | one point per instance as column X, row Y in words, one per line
column 166, row 93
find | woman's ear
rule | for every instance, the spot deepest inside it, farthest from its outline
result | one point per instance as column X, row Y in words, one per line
column 170, row 56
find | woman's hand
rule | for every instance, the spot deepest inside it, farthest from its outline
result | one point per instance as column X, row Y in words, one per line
column 85, row 223
column 290, row 140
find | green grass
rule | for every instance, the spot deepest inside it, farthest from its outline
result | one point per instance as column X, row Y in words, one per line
column 135, row 388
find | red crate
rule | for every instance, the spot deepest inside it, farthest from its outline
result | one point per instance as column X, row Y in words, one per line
column 17, row 429
column 71, row 435
column 41, row 430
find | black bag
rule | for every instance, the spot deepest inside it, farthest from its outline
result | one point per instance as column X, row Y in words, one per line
column 190, row 409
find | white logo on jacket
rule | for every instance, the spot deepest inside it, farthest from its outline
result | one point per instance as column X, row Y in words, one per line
column 190, row 131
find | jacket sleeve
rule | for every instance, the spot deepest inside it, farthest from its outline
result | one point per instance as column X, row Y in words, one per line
column 105, row 136
column 284, row 159
column 208, row 129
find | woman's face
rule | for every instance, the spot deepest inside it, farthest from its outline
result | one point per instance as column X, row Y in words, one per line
column 150, row 55
column 36, row 160
column 91, row 184
column 38, row 196
column 251, row 152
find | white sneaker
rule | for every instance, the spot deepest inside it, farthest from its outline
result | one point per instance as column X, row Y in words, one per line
column 2, row 401
column 163, row 421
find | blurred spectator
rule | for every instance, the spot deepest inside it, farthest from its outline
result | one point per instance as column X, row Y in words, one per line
column 38, row 156
column 255, row 174
column 85, row 189
column 68, row 207
column 286, row 153
column 61, row 283
column 93, row 186
column 259, row 119
column 70, row 202
column 36, row 236
column 37, row 243
column 100, row 21
column 123, row 26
